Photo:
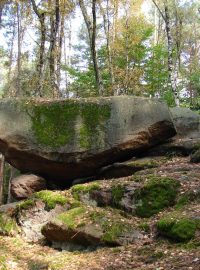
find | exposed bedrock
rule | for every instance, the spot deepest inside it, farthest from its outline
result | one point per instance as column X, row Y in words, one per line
column 67, row 139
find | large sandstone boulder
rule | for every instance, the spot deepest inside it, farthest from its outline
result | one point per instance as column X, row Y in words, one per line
column 67, row 139
column 23, row 186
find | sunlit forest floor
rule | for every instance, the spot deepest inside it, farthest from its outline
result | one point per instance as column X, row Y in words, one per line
column 16, row 254
column 152, row 252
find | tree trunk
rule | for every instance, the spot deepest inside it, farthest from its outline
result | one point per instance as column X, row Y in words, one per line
column 55, row 18
column 18, row 92
column 172, row 68
column 60, row 49
column 106, row 24
column 91, row 27
column 172, row 65
column 40, row 65
column 9, row 93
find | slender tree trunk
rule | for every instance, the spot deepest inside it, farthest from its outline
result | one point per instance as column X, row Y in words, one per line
column 40, row 65
column 127, row 71
column 106, row 24
column 55, row 19
column 18, row 92
column 172, row 65
column 172, row 68
column 9, row 94
column 91, row 27
column 61, row 36
column 94, row 53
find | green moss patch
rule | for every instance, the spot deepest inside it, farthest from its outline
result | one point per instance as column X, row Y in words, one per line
column 94, row 118
column 51, row 198
column 79, row 189
column 155, row 195
column 27, row 204
column 54, row 124
column 7, row 225
column 180, row 230
column 70, row 217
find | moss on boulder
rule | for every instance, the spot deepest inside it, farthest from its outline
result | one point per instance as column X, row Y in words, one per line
column 90, row 226
column 68, row 139
column 179, row 230
column 82, row 189
column 155, row 195
column 50, row 198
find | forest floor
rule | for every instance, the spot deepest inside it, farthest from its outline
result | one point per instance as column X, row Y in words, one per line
column 151, row 253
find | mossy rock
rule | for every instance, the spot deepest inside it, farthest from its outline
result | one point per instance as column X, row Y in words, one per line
column 89, row 226
column 82, row 189
column 155, row 195
column 8, row 225
column 25, row 205
column 179, row 230
column 50, row 198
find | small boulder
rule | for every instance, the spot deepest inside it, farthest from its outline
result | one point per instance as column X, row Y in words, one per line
column 90, row 226
column 23, row 186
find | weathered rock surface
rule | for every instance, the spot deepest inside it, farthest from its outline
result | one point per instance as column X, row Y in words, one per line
column 187, row 122
column 29, row 216
column 23, row 186
column 68, row 139
column 86, row 226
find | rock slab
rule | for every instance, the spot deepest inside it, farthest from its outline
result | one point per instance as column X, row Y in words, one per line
column 67, row 139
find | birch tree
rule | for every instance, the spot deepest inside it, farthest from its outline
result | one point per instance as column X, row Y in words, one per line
column 164, row 10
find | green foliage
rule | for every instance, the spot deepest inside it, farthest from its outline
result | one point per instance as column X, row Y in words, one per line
column 157, row 193
column 179, row 230
column 84, row 84
column 51, row 198
column 117, row 194
column 69, row 217
column 156, row 69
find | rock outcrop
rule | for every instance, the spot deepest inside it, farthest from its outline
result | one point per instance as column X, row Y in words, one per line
column 23, row 186
column 187, row 122
column 67, row 139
